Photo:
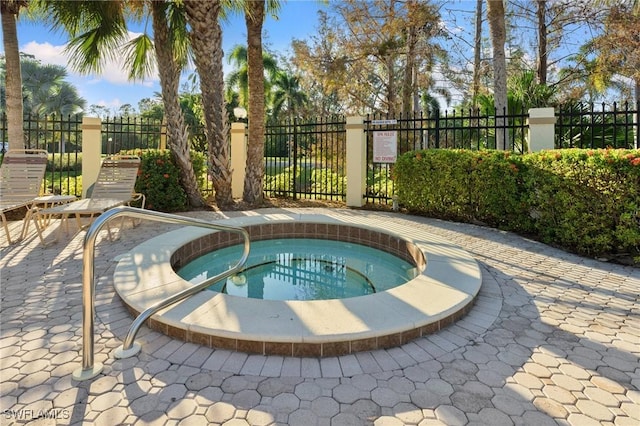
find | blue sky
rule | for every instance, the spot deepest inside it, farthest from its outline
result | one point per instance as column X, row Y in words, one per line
column 296, row 19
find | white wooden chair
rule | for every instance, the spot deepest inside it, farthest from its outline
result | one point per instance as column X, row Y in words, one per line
column 114, row 186
column 21, row 176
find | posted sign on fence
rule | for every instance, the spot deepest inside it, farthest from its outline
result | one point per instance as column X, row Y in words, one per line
column 385, row 146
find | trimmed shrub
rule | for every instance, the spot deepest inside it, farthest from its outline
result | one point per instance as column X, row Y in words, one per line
column 159, row 179
column 68, row 162
column 586, row 201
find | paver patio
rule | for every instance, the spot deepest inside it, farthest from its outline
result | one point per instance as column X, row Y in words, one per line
column 553, row 338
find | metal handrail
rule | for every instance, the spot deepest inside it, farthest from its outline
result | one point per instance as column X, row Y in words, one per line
column 91, row 369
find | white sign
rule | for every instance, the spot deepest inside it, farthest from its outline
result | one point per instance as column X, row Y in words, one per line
column 380, row 122
column 385, row 146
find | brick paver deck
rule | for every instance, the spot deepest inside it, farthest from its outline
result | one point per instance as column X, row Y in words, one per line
column 553, row 338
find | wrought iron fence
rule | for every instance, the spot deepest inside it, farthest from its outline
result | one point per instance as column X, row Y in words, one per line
column 306, row 158
column 462, row 129
column 61, row 137
column 127, row 133
column 598, row 126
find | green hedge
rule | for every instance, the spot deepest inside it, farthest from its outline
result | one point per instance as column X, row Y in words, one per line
column 159, row 179
column 586, row 201
column 68, row 162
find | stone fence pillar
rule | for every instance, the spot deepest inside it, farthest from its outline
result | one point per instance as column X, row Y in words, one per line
column 238, row 158
column 91, row 153
column 356, row 161
column 542, row 123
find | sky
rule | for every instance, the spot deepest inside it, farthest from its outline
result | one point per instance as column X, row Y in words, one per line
column 296, row 19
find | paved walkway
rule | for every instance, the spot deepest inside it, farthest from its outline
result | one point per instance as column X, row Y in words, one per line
column 553, row 339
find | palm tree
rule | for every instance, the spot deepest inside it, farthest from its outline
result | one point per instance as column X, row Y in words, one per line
column 287, row 96
column 63, row 100
column 165, row 43
column 9, row 10
column 495, row 14
column 206, row 41
column 46, row 92
column 254, row 19
column 239, row 78
column 98, row 29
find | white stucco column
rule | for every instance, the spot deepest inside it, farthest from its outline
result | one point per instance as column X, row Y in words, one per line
column 91, row 153
column 356, row 161
column 542, row 122
column 238, row 158
column 163, row 135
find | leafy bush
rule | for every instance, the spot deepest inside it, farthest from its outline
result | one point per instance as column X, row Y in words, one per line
column 159, row 178
column 587, row 201
column 66, row 183
column 379, row 183
column 326, row 181
column 199, row 161
column 68, row 162
column 281, row 183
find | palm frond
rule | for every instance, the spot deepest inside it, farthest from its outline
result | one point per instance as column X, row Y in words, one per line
column 86, row 51
column 140, row 57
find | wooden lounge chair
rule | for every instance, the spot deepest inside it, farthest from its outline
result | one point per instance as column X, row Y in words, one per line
column 114, row 187
column 21, row 176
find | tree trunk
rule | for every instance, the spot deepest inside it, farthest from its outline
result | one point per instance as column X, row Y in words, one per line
column 541, row 13
column 409, row 70
column 13, row 76
column 169, row 82
column 253, row 184
column 206, row 41
column 495, row 14
column 637, row 115
column 477, row 49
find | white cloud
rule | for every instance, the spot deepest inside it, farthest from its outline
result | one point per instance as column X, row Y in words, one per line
column 46, row 52
column 114, row 69
column 113, row 104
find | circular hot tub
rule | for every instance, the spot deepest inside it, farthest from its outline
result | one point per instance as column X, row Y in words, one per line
column 443, row 289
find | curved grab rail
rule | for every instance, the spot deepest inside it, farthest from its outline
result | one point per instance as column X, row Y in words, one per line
column 91, row 369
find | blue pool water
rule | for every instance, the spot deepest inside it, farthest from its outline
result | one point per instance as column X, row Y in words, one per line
column 302, row 269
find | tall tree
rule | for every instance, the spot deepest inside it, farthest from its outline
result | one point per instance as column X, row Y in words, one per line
column 287, row 96
column 319, row 61
column 541, row 14
column 238, row 79
column 9, row 9
column 206, row 42
column 411, row 40
column 618, row 48
column 98, row 29
column 169, row 69
column 495, row 15
column 253, row 183
column 477, row 50
column 420, row 20
column 45, row 90
column 376, row 56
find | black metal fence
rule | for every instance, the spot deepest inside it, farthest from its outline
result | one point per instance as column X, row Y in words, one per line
column 61, row 137
column 127, row 133
column 305, row 158
column 460, row 129
column 598, row 126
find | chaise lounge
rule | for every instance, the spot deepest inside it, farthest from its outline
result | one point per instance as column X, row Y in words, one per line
column 21, row 176
column 113, row 187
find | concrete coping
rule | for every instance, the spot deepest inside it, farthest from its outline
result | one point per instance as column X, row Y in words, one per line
column 443, row 292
